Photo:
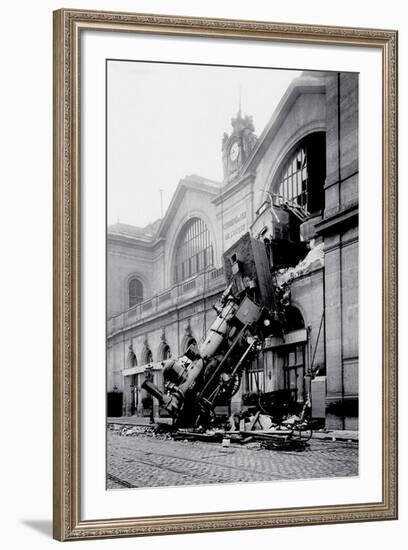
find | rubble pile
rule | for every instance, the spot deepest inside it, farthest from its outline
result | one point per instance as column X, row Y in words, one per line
column 255, row 431
column 143, row 431
column 313, row 260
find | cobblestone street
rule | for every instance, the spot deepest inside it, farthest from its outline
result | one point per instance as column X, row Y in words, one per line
column 145, row 461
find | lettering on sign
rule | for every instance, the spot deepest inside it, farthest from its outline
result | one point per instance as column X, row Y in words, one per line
column 235, row 231
column 235, row 220
column 238, row 231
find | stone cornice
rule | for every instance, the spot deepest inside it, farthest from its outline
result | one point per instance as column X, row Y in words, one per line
column 346, row 216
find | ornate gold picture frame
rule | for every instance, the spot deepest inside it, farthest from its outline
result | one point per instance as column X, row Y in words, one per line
column 69, row 27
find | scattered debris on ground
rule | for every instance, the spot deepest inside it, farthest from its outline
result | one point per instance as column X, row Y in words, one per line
column 285, row 445
column 152, row 431
column 253, row 430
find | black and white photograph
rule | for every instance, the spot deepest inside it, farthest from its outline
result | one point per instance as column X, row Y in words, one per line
column 204, row 199
column 232, row 336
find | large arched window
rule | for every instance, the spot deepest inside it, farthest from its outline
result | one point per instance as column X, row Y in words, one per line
column 300, row 180
column 135, row 291
column 194, row 251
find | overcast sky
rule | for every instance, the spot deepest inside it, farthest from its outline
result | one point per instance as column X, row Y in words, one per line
column 166, row 121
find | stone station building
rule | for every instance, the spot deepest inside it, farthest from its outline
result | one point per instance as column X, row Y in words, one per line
column 163, row 279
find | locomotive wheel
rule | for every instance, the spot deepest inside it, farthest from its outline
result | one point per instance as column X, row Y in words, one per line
column 229, row 387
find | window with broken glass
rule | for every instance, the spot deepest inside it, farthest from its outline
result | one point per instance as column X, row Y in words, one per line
column 293, row 186
column 301, row 178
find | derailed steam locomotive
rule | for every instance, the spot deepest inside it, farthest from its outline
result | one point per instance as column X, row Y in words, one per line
column 251, row 308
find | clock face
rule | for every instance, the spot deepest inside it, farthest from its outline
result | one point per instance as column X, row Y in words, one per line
column 234, row 151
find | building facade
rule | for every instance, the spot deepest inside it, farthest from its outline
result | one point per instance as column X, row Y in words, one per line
column 163, row 279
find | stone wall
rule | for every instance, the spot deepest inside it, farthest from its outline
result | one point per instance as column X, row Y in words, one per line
column 124, row 260
column 340, row 230
column 327, row 103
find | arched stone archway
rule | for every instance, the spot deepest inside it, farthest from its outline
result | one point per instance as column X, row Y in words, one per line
column 188, row 338
column 146, row 355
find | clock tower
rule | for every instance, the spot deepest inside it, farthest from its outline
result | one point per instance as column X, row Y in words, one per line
column 237, row 146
